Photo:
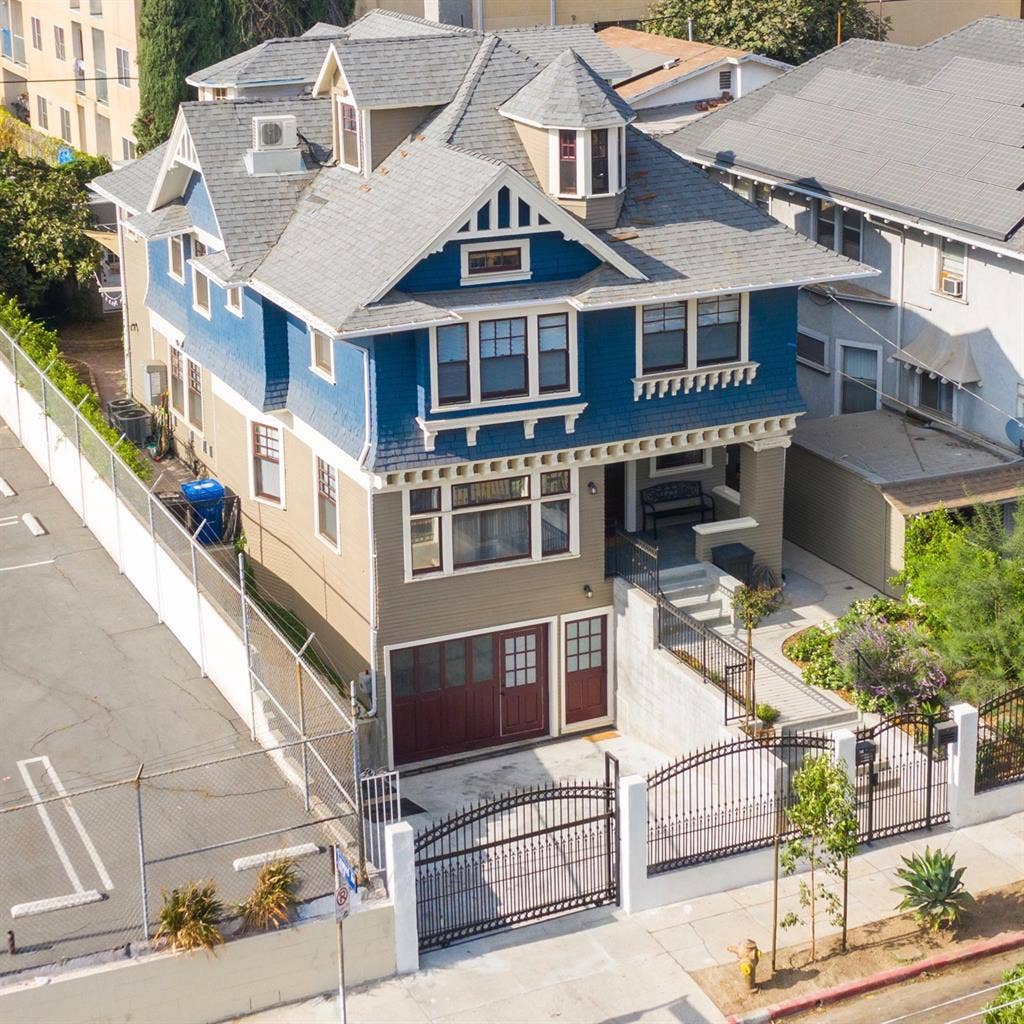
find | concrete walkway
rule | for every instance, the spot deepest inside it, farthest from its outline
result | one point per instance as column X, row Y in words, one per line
column 815, row 592
column 601, row 965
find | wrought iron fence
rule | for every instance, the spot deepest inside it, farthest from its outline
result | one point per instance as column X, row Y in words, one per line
column 87, row 871
column 381, row 806
column 528, row 854
column 714, row 657
column 1000, row 758
column 725, row 799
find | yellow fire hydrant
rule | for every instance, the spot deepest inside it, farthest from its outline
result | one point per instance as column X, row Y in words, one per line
column 748, row 955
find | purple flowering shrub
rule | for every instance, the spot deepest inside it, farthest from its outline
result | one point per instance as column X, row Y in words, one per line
column 887, row 665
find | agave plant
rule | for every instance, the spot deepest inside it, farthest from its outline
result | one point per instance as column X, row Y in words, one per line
column 273, row 896
column 189, row 917
column 934, row 889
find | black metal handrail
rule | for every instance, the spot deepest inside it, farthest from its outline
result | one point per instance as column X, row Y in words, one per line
column 716, row 658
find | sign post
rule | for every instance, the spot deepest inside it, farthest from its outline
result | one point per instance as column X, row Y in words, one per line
column 345, row 895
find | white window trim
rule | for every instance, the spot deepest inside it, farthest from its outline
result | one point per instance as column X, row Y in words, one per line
column 842, row 343
column 208, row 311
column 937, row 275
column 327, row 375
column 445, row 515
column 128, row 67
column 616, row 139
column 340, row 101
column 826, row 367
column 238, row 311
column 534, row 394
column 707, row 459
column 170, row 259
column 279, row 427
column 663, row 382
column 523, row 274
column 334, row 546
column 177, row 342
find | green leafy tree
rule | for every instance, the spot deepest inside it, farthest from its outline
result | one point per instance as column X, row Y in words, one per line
column 1008, row 1005
column 824, row 817
column 42, row 232
column 751, row 605
column 968, row 575
column 788, row 30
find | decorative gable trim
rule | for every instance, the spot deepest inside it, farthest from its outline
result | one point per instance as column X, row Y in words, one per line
column 555, row 217
column 331, row 64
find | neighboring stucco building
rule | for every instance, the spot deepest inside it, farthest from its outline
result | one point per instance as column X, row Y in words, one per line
column 489, row 15
column 910, row 160
column 915, row 22
column 436, row 324
column 73, row 65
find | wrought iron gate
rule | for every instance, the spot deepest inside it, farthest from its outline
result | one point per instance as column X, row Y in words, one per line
column 528, row 854
column 902, row 775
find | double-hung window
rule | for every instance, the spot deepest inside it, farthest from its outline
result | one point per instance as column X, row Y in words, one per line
column 65, row 124
column 826, row 224
column 453, row 364
column 233, row 299
column 851, row 231
column 59, row 47
column 178, row 382
column 718, row 330
column 37, row 34
column 503, row 363
column 463, row 526
column 327, row 502
column 128, row 149
column 859, row 378
column 841, row 230
column 124, row 68
column 195, row 395
column 567, row 162
column 176, row 258
column 952, row 267
column 267, row 475
column 600, row 182
column 42, row 115
column 935, row 395
column 186, row 388
column 553, row 351
column 323, row 354
column 200, row 282
column 664, row 337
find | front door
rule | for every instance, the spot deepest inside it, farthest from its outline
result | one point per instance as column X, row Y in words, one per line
column 586, row 669
column 614, row 497
column 523, row 675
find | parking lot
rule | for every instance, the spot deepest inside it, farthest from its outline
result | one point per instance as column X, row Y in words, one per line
column 92, row 688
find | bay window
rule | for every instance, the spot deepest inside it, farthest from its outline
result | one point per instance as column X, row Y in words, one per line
column 553, row 349
column 567, row 162
column 503, row 371
column 267, row 471
column 600, row 181
column 718, row 330
column 455, row 527
column 664, row 337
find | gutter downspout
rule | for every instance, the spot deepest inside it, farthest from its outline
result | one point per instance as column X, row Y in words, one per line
column 899, row 307
column 125, row 324
column 372, row 574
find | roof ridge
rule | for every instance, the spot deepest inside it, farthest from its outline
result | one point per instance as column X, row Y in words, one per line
column 377, row 40
column 456, row 109
column 402, row 16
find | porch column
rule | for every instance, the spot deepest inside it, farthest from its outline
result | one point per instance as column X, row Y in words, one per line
column 762, row 484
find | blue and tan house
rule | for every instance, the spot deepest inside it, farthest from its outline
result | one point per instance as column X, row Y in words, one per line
column 439, row 317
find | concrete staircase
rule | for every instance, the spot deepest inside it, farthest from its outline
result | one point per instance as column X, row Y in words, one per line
column 692, row 589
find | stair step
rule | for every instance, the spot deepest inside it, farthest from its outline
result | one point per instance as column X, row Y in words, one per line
column 694, row 599
column 682, row 575
column 711, row 615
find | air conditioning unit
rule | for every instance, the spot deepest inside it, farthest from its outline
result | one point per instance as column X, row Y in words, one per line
column 269, row 133
column 156, row 382
column 953, row 286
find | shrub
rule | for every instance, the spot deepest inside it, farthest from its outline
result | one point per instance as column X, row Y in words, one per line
column 1008, row 1005
column 811, row 643
column 189, row 917
column 933, row 889
column 273, row 896
column 767, row 713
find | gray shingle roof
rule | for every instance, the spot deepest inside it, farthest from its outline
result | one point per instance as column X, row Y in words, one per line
column 568, row 94
column 350, row 237
column 172, row 219
column 252, row 211
column 934, row 132
column 274, row 62
column 432, row 66
column 381, row 24
column 323, row 28
column 543, row 43
column 131, row 186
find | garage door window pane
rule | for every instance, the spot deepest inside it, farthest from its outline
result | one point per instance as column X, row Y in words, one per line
column 402, row 673
column 455, row 663
column 483, row 659
column 430, row 668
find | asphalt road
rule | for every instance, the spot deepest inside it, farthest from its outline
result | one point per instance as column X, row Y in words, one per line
column 91, row 686
column 952, row 995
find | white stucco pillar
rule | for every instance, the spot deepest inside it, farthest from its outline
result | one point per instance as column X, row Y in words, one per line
column 961, row 760
column 632, row 842
column 846, row 752
column 401, row 878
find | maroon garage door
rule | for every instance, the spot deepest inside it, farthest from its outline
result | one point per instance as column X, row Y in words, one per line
column 476, row 691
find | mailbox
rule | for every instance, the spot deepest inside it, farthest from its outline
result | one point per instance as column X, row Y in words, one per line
column 865, row 752
column 946, row 733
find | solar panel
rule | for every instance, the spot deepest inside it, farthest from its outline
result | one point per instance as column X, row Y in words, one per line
column 1003, row 166
column 969, row 77
column 956, row 155
column 1003, row 124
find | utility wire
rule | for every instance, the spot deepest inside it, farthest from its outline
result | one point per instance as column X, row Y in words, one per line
column 939, row 1006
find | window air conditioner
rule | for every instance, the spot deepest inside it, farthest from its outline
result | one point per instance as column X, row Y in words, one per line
column 953, row 286
column 273, row 133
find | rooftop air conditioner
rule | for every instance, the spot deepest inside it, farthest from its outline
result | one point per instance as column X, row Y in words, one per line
column 953, row 286
column 274, row 133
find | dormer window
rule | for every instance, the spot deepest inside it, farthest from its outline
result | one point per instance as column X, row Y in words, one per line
column 348, row 135
column 484, row 262
column 567, row 162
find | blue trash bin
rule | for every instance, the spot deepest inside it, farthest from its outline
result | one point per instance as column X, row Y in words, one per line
column 207, row 500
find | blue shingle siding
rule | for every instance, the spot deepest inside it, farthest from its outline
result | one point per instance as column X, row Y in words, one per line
column 197, row 202
column 607, row 366
column 552, row 258
column 233, row 348
column 338, row 411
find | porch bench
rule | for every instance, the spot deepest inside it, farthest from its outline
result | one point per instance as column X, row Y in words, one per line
column 674, row 498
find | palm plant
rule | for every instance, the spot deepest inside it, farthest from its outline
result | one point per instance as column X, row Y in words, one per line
column 933, row 889
column 273, row 896
column 189, row 917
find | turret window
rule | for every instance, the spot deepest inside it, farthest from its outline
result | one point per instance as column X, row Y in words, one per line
column 567, row 162
column 600, row 182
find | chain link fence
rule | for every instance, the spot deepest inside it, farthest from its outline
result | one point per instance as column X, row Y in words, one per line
column 87, row 872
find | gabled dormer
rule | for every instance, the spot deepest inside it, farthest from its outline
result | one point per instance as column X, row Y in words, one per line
column 573, row 127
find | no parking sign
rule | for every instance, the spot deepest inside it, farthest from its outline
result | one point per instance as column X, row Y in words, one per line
column 345, row 888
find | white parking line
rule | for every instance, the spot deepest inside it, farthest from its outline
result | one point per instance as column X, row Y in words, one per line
column 9, row 520
column 25, row 565
column 75, row 820
column 50, row 830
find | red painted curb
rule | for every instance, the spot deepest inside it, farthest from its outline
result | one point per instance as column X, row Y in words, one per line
column 875, row 981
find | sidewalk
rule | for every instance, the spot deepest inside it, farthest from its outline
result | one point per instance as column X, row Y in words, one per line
column 600, row 965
